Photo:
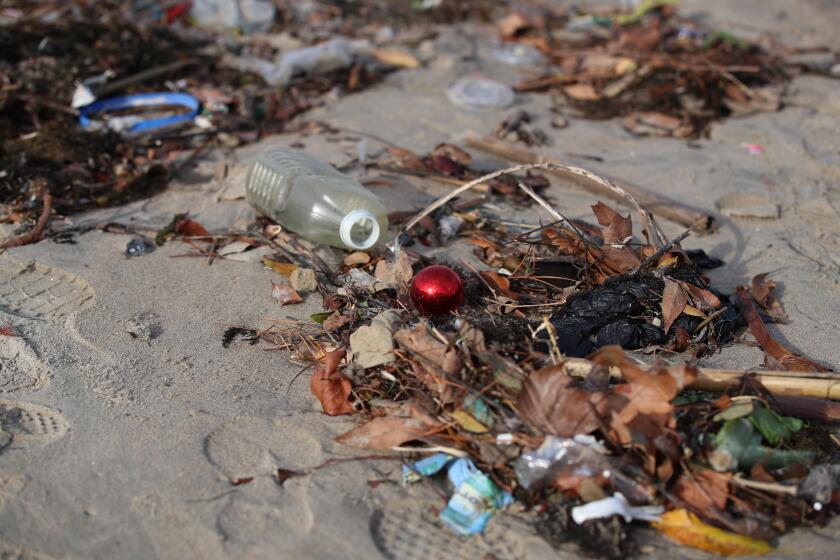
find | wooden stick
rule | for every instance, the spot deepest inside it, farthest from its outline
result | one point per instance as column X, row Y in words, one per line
column 776, row 382
column 792, row 389
column 654, row 202
column 809, row 408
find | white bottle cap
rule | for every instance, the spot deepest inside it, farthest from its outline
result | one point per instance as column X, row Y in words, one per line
column 358, row 217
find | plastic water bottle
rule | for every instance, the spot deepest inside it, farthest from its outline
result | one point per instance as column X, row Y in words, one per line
column 314, row 200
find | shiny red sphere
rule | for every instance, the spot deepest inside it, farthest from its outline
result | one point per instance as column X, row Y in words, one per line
column 437, row 290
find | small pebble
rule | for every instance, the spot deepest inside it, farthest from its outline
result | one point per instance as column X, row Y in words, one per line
column 304, row 280
column 139, row 246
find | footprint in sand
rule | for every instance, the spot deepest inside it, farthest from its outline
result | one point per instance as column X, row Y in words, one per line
column 33, row 290
column 27, row 423
column 20, row 367
column 246, row 447
column 258, row 515
column 408, row 530
column 9, row 551
column 174, row 532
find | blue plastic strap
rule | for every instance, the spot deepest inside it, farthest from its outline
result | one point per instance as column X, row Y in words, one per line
column 164, row 99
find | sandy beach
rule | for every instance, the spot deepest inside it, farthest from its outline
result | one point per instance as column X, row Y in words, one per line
column 125, row 446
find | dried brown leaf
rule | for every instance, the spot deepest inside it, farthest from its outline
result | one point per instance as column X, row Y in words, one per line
column 772, row 347
column 359, row 257
column 384, row 432
column 454, row 153
column 428, row 349
column 514, row 24
column 703, row 299
column 285, row 294
column 335, row 321
column 406, row 159
column 647, row 392
column 395, row 57
column 615, row 227
column 331, row 387
column 674, row 301
column 445, row 165
column 500, row 284
column 703, row 489
column 283, row 268
column 582, row 92
column 552, row 402
column 396, row 274
column 191, row 228
column 762, row 292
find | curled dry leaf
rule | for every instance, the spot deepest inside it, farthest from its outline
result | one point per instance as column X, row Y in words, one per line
column 703, row 299
column 516, row 23
column 384, row 432
column 285, row 294
column 406, row 159
column 615, row 227
column 395, row 57
column 357, row 258
column 582, row 92
column 452, row 152
column 762, row 292
column 283, row 268
column 331, row 387
column 191, row 228
column 772, row 347
column 649, row 392
column 674, row 301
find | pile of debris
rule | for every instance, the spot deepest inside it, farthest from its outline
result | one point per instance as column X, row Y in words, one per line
column 103, row 105
column 526, row 391
column 664, row 74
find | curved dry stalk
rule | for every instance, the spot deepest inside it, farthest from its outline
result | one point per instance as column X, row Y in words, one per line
column 549, row 166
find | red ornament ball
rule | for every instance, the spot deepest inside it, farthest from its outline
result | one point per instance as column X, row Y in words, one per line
column 437, row 290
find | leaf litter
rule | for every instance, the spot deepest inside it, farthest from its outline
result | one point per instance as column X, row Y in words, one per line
column 575, row 299
column 566, row 331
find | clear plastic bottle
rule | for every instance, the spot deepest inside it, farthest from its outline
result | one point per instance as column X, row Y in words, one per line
column 314, row 200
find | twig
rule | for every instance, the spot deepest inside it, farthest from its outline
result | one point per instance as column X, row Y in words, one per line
column 434, row 449
column 667, row 247
column 50, row 104
column 738, row 480
column 483, row 179
column 37, row 232
column 145, row 75
column 557, row 215
column 653, row 201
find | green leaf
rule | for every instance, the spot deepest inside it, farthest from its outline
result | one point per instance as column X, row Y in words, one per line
column 739, row 447
column 737, row 410
column 774, row 428
column 320, row 317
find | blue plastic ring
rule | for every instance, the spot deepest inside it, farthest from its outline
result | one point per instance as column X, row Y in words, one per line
column 142, row 100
